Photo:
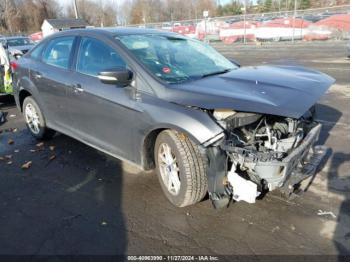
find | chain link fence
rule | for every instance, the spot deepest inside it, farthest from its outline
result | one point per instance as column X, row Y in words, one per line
column 310, row 24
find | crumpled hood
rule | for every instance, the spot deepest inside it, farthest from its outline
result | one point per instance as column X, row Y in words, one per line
column 277, row 90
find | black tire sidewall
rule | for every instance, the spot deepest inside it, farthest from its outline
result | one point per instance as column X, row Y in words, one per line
column 31, row 100
column 178, row 199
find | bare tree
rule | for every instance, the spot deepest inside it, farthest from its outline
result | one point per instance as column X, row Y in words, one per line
column 18, row 16
column 148, row 11
column 97, row 13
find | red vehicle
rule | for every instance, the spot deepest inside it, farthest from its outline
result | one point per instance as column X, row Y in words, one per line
column 187, row 30
column 328, row 27
column 231, row 33
column 337, row 22
column 36, row 37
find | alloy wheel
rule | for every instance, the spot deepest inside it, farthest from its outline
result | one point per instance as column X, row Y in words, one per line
column 169, row 169
column 32, row 118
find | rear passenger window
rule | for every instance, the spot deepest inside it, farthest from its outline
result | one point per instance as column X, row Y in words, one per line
column 95, row 56
column 58, row 52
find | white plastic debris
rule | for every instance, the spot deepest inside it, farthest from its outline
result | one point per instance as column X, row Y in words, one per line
column 325, row 213
column 243, row 189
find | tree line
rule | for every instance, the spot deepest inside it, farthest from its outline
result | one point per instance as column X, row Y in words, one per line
column 26, row 16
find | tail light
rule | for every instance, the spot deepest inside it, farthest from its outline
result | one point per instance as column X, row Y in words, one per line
column 14, row 66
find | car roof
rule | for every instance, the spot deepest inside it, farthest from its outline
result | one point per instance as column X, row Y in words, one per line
column 115, row 31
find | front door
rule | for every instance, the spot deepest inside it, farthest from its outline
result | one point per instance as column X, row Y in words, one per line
column 102, row 114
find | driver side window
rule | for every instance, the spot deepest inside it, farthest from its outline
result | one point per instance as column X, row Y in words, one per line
column 95, row 56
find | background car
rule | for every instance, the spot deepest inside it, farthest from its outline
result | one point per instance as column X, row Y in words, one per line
column 18, row 45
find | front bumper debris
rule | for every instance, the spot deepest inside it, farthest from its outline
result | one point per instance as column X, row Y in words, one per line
column 284, row 174
column 243, row 189
column 309, row 169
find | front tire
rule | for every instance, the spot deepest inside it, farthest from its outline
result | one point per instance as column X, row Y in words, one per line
column 35, row 119
column 181, row 168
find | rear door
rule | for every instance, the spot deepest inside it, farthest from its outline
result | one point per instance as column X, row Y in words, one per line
column 52, row 76
column 102, row 114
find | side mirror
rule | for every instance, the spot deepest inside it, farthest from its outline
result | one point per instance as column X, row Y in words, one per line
column 116, row 76
column 233, row 61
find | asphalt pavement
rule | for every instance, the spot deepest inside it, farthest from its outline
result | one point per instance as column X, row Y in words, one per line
column 69, row 199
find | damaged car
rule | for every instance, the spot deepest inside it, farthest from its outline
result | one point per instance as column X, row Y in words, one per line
column 163, row 101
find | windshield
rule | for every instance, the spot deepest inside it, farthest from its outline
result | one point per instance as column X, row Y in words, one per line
column 19, row 41
column 175, row 58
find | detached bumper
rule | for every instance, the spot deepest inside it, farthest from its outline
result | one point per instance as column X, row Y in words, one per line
column 283, row 173
column 302, row 172
column 299, row 161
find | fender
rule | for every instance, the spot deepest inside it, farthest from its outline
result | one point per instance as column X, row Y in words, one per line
column 24, row 83
column 194, row 122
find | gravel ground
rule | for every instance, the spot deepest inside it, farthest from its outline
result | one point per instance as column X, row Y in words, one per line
column 76, row 200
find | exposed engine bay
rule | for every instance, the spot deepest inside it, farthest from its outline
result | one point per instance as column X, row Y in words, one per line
column 264, row 151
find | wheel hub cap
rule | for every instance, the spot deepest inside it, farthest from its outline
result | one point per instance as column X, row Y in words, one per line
column 32, row 118
column 169, row 169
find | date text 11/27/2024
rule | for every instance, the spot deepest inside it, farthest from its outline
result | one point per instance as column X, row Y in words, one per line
column 173, row 258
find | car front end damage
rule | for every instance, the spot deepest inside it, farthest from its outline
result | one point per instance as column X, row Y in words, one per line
column 260, row 153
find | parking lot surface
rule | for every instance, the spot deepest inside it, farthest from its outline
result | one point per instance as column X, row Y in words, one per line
column 73, row 199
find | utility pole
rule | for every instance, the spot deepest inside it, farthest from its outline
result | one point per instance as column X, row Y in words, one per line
column 75, row 9
column 294, row 16
column 279, row 6
column 101, row 14
column 245, row 21
column 117, row 11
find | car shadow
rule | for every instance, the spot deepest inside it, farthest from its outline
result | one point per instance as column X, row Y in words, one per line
column 94, row 195
column 328, row 117
column 337, row 183
column 3, row 117
column 84, row 184
column 72, row 195
column 340, row 185
column 5, row 102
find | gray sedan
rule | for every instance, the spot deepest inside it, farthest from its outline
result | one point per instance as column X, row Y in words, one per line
column 17, row 45
column 166, row 102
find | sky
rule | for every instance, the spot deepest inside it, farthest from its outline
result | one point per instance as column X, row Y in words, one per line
column 65, row 2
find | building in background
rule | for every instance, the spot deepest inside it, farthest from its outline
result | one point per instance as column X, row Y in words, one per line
column 51, row 26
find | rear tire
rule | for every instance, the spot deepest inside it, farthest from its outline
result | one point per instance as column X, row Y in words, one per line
column 184, row 181
column 35, row 119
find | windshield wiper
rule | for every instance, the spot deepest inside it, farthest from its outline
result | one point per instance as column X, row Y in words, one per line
column 216, row 73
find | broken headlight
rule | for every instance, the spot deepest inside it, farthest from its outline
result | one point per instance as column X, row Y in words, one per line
column 222, row 114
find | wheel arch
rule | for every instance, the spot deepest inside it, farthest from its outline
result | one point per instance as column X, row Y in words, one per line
column 21, row 96
column 147, row 157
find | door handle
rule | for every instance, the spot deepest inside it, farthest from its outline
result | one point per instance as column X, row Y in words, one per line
column 77, row 88
column 38, row 75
